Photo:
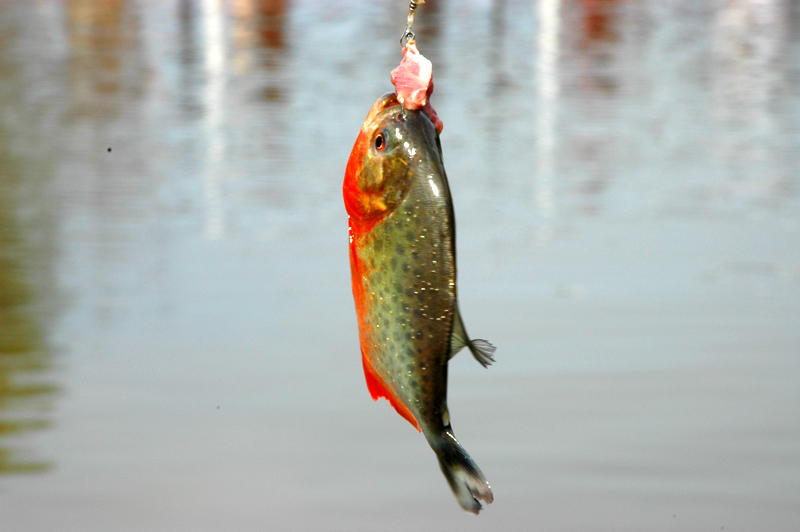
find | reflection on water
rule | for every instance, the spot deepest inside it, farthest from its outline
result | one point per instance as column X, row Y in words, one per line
column 549, row 18
column 598, row 21
column 748, row 78
column 214, row 43
column 26, row 358
column 96, row 115
column 175, row 311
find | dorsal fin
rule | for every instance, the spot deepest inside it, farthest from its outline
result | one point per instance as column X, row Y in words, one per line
column 377, row 388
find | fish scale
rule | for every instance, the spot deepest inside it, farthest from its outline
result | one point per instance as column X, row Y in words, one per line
column 411, row 294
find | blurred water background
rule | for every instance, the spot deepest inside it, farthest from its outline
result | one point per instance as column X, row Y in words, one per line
column 178, row 345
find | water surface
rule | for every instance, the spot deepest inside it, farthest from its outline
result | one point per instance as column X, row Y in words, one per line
column 178, row 346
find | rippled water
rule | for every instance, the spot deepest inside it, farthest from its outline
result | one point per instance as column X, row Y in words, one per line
column 178, row 347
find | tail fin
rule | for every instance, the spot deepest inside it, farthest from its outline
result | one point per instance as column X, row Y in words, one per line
column 464, row 476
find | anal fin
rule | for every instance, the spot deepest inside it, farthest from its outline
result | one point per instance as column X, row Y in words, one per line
column 377, row 389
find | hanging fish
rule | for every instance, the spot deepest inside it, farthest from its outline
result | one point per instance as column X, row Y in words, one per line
column 403, row 263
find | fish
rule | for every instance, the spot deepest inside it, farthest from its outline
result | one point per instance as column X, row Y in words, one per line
column 403, row 265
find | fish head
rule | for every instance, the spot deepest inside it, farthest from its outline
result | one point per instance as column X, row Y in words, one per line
column 391, row 143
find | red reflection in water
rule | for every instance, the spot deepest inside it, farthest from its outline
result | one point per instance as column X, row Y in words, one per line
column 598, row 21
column 272, row 16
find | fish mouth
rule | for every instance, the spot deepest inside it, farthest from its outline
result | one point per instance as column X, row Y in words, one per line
column 384, row 102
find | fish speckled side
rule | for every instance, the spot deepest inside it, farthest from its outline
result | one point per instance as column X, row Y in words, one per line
column 402, row 256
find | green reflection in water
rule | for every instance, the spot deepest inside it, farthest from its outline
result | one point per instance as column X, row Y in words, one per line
column 25, row 357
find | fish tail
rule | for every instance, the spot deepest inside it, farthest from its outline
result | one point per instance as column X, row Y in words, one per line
column 466, row 479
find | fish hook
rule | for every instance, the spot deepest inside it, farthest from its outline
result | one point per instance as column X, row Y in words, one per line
column 408, row 36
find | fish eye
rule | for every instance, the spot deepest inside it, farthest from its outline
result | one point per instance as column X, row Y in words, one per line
column 380, row 141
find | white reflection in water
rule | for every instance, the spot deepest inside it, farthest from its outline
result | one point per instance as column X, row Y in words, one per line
column 747, row 42
column 547, row 94
column 214, row 99
column 243, row 35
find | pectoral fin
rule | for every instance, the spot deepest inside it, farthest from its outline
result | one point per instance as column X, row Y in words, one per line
column 458, row 338
column 482, row 350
